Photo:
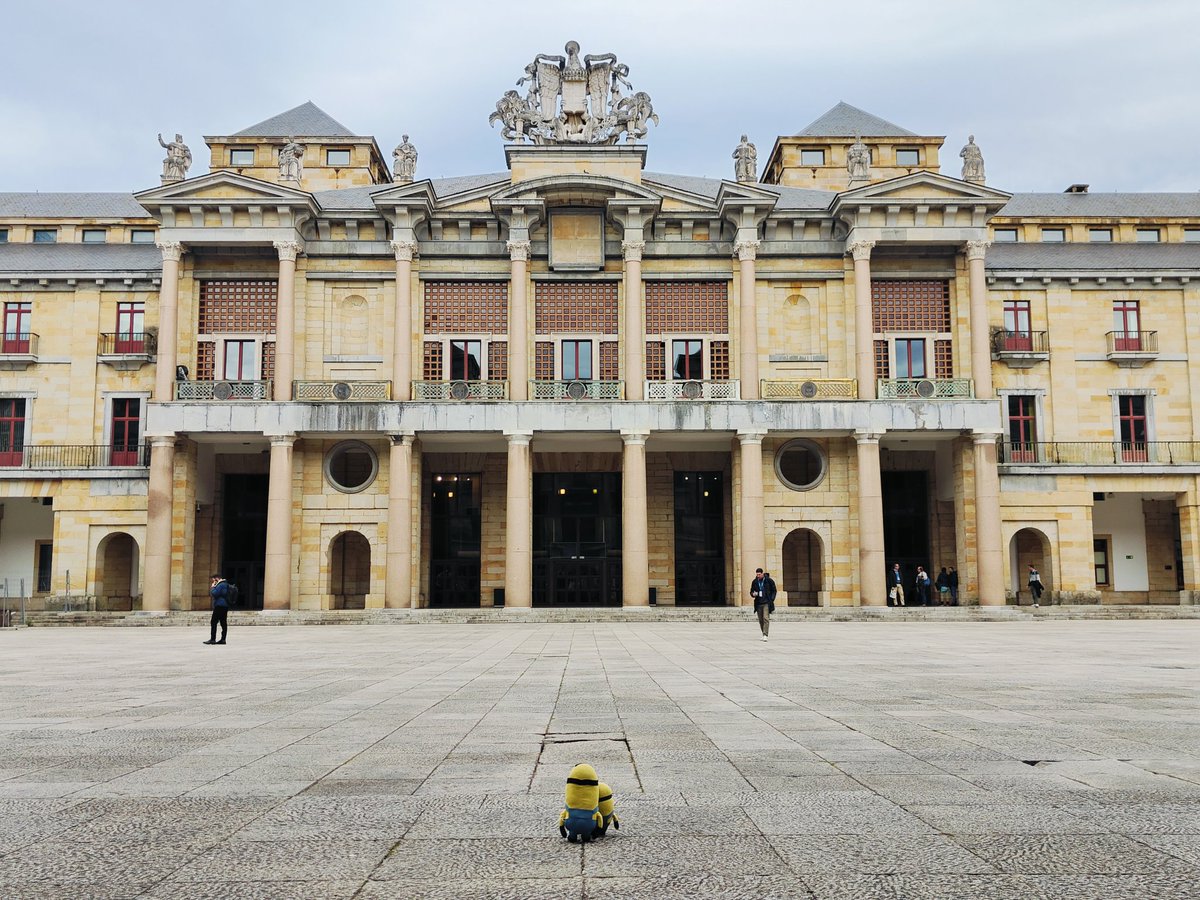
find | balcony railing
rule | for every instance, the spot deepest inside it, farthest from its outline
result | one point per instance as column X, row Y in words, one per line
column 74, row 456
column 1100, row 453
column 924, row 389
column 576, row 390
column 1132, row 349
column 692, row 390
column 342, row 391
column 136, row 344
column 460, row 390
column 810, row 389
column 223, row 390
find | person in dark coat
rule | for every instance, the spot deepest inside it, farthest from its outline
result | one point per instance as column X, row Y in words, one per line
column 952, row 580
column 763, row 591
column 219, row 591
column 922, row 583
column 943, row 586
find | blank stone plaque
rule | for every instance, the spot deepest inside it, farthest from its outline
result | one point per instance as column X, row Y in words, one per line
column 576, row 239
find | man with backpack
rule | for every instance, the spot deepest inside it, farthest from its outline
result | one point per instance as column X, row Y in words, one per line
column 222, row 592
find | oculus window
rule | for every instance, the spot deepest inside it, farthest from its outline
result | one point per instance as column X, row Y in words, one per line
column 351, row 466
column 800, row 465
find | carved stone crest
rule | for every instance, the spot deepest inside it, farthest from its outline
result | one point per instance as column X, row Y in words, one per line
column 573, row 101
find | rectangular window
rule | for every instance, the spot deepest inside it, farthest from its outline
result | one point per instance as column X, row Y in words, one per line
column 126, row 431
column 1053, row 235
column 1190, row 235
column 1005, row 235
column 466, row 360
column 3, row 235
column 45, row 235
column 16, row 327
column 687, row 360
column 241, row 156
column 910, row 357
column 94, row 235
column 12, row 431
column 131, row 324
column 1100, row 556
column 1022, row 429
column 812, row 157
column 1131, row 415
column 240, row 361
column 141, row 236
column 577, row 360
column 908, row 157
column 337, row 157
column 1147, row 235
column 1100, row 235
column 1017, row 335
column 1126, row 325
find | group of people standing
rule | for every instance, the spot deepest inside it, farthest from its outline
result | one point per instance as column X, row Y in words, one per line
column 946, row 584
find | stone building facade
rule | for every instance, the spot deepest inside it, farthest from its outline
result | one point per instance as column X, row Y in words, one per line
column 579, row 382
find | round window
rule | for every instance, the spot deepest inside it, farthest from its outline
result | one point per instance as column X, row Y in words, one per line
column 800, row 465
column 351, row 466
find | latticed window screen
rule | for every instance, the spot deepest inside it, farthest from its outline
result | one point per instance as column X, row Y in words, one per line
column 268, row 360
column 543, row 361
column 206, row 359
column 497, row 361
column 910, row 306
column 943, row 359
column 883, row 366
column 656, row 361
column 718, row 366
column 699, row 307
column 569, row 307
column 238, row 307
column 431, row 366
column 466, row 306
column 610, row 366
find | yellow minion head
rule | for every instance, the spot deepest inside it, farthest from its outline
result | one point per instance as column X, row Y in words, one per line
column 606, row 801
column 583, row 788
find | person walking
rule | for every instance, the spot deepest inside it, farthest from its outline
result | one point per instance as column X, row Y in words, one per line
column 952, row 580
column 219, row 591
column 1035, row 585
column 762, row 591
column 922, row 586
column 896, row 586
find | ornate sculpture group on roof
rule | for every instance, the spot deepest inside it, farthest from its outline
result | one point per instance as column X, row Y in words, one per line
column 405, row 156
column 745, row 161
column 858, row 160
column 573, row 102
column 972, row 158
column 178, row 161
column 291, row 161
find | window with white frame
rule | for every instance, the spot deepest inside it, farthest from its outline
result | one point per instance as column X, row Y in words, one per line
column 1004, row 235
column 1133, row 423
column 241, row 156
column 575, row 356
column 94, row 235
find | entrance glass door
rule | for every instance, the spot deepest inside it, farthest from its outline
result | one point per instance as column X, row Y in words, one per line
column 699, row 538
column 454, row 542
column 577, row 539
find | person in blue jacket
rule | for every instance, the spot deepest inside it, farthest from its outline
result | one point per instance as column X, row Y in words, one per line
column 220, row 608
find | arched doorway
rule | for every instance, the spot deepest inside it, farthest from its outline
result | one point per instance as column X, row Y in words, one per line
column 116, row 575
column 1029, row 545
column 802, row 564
column 349, row 571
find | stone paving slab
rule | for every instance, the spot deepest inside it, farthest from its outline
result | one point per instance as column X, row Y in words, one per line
column 1029, row 758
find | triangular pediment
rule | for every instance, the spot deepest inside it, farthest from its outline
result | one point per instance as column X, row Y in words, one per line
column 223, row 186
column 923, row 187
column 551, row 187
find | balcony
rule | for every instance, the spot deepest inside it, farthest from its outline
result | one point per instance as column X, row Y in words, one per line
column 810, row 389
column 223, row 390
column 74, row 456
column 341, row 391
column 1020, row 349
column 924, row 389
column 1100, row 453
column 693, row 390
column 18, row 350
column 127, row 352
column 576, row 390
column 1132, row 349
column 460, row 390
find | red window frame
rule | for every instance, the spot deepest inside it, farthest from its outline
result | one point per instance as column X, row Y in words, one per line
column 577, row 360
column 244, row 359
column 131, row 324
column 1018, row 335
column 125, row 431
column 1127, row 325
column 16, row 327
column 905, row 357
column 1131, row 416
column 12, row 431
column 1022, row 428
column 462, row 353
column 689, row 351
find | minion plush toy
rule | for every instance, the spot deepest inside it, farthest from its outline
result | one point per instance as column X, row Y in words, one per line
column 581, row 819
column 607, row 813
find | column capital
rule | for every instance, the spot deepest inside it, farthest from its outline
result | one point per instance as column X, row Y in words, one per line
column 288, row 250
column 171, row 250
column 977, row 249
column 751, row 436
column 518, row 438
column 402, row 437
column 518, row 251
column 634, row 437
column 983, row 438
column 161, row 440
column 745, row 250
column 861, row 250
column 278, row 440
column 633, row 249
column 406, row 250
column 866, row 436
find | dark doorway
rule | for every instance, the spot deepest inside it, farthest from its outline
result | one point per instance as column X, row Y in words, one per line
column 699, row 538
column 577, row 539
column 244, row 536
column 906, row 524
column 454, row 540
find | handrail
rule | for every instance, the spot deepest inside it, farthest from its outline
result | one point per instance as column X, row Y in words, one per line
column 75, row 456
column 1100, row 453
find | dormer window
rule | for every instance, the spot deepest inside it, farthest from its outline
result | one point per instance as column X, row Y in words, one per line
column 1100, row 235
column 1004, row 235
column 141, row 236
column 241, row 156
column 1053, row 235
column 337, row 158
column 1148, row 235
column 812, row 157
column 94, row 235
column 908, row 156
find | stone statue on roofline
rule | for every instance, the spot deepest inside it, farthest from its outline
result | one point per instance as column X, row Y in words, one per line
column 291, row 161
column 745, row 161
column 178, row 161
column 972, row 158
column 858, row 160
column 405, row 155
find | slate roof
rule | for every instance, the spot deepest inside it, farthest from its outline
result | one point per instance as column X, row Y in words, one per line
column 305, row 120
column 79, row 258
column 1110, row 205
column 845, row 120
column 789, row 197
column 1075, row 257
column 359, row 198
column 70, row 206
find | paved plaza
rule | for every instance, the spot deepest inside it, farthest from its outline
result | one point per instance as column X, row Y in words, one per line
column 839, row 760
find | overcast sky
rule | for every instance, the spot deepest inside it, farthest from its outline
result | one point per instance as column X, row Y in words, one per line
column 1055, row 91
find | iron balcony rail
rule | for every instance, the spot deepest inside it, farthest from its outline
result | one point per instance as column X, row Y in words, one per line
column 137, row 343
column 223, row 390
column 576, row 389
column 75, row 456
column 19, row 343
column 1132, row 341
column 693, row 390
column 810, row 389
column 342, row 391
column 1020, row 342
column 1099, row 453
column 460, row 390
column 924, row 388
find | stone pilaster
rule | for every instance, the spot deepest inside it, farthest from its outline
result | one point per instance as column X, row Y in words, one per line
column 518, row 555
column 635, row 319
column 518, row 321
column 398, row 593
column 989, row 547
column 168, row 322
column 156, row 595
column 753, row 522
column 402, row 331
column 285, row 320
column 981, row 351
column 746, row 252
column 277, row 582
column 864, row 329
column 872, row 564
column 635, row 532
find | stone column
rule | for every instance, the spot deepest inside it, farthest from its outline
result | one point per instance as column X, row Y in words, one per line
column 398, row 585
column 872, row 565
column 285, row 320
column 989, row 548
column 518, row 327
column 1189, row 538
column 753, row 527
column 518, row 517
column 864, row 329
column 156, row 593
column 277, row 584
column 402, row 332
column 168, row 322
column 635, row 530
column 981, row 351
column 748, row 329
column 635, row 320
